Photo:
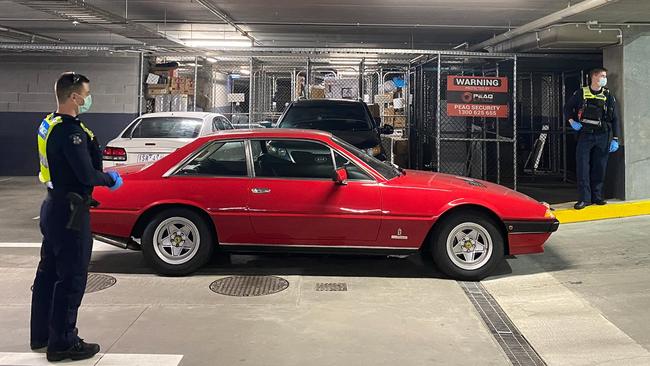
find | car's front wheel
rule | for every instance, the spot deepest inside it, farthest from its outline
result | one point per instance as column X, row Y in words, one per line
column 467, row 245
column 177, row 242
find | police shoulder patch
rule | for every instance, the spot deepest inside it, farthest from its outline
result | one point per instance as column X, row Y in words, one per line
column 76, row 138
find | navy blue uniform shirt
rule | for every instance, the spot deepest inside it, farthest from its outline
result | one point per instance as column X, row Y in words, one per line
column 75, row 160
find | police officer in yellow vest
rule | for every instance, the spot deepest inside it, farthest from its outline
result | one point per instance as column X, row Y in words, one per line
column 593, row 113
column 70, row 166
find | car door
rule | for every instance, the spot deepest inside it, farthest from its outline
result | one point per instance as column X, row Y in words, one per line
column 217, row 178
column 294, row 200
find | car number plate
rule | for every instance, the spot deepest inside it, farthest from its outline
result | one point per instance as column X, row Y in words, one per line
column 145, row 158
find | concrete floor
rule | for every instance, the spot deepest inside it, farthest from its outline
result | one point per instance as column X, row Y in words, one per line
column 582, row 302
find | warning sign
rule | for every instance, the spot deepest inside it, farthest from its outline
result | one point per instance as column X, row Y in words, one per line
column 477, row 96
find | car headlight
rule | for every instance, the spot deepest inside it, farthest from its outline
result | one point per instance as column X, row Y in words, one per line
column 374, row 151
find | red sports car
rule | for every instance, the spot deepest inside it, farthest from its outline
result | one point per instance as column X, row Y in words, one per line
column 298, row 190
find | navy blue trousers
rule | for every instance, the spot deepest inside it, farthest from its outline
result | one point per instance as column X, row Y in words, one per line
column 61, row 276
column 592, row 152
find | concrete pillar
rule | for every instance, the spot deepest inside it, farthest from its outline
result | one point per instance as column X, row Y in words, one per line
column 630, row 82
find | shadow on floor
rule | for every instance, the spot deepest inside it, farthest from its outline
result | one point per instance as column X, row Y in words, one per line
column 128, row 262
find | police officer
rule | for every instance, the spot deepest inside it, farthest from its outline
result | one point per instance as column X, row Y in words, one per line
column 592, row 112
column 70, row 166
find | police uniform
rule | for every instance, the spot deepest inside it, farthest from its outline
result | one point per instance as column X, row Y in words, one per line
column 70, row 161
column 596, row 110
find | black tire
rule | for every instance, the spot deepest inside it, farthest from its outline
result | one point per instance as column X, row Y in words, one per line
column 206, row 243
column 441, row 233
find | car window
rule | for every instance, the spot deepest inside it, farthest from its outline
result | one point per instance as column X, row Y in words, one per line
column 129, row 130
column 354, row 172
column 225, row 159
column 327, row 117
column 292, row 159
column 217, row 124
column 226, row 124
column 167, row 127
column 385, row 169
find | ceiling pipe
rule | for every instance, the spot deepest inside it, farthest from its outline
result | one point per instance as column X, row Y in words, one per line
column 223, row 16
column 551, row 39
column 33, row 36
column 544, row 22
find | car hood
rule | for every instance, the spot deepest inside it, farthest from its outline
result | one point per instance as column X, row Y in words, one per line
column 440, row 181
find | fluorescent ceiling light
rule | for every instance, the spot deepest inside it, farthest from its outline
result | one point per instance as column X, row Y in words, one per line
column 245, row 71
column 235, row 76
column 211, row 60
column 218, row 43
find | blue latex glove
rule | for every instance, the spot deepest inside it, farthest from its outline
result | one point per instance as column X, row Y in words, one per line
column 613, row 146
column 118, row 180
column 576, row 125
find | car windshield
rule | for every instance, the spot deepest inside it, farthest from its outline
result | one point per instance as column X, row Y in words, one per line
column 327, row 117
column 167, row 127
column 387, row 170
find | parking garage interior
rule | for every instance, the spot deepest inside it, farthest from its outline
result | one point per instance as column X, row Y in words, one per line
column 576, row 304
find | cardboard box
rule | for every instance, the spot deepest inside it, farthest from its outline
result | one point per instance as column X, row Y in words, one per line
column 388, row 116
column 316, row 92
column 399, row 122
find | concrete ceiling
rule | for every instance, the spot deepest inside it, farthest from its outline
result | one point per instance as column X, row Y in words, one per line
column 420, row 24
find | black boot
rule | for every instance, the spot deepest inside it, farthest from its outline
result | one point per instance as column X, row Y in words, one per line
column 79, row 351
column 600, row 202
column 580, row 205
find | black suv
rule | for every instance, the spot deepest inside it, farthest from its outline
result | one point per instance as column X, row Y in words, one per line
column 349, row 120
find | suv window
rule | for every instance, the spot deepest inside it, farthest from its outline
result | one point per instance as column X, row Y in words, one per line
column 292, row 159
column 167, row 127
column 225, row 159
column 328, row 117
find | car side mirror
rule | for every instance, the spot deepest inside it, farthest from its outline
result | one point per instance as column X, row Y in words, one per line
column 340, row 176
column 386, row 130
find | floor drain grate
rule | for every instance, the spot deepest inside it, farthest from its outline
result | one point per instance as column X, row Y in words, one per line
column 245, row 286
column 340, row 286
column 513, row 343
column 96, row 282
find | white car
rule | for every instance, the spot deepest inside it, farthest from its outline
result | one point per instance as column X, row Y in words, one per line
column 152, row 136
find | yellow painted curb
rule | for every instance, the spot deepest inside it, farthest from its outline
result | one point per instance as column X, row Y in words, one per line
column 609, row 211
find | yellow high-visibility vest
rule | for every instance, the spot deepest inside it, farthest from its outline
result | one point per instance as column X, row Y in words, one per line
column 44, row 132
column 587, row 94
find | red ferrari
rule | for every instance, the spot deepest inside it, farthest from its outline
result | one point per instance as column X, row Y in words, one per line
column 297, row 190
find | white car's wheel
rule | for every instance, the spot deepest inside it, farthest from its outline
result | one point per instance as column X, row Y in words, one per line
column 467, row 245
column 177, row 242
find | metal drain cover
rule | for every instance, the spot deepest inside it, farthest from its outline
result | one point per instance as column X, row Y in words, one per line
column 245, row 286
column 96, row 282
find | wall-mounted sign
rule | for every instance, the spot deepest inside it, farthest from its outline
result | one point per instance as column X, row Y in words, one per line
column 477, row 96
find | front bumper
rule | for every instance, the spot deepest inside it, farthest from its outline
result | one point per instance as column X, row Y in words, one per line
column 528, row 237
column 532, row 227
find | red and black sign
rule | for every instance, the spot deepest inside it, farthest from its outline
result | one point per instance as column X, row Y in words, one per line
column 477, row 96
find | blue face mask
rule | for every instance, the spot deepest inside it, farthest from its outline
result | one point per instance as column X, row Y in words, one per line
column 88, row 102
column 602, row 82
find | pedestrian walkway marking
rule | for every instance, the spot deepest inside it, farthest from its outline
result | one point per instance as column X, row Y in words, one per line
column 608, row 211
column 111, row 359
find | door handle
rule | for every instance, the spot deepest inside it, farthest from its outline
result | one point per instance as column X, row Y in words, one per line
column 260, row 190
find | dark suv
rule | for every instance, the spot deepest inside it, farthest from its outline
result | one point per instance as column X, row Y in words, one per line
column 349, row 120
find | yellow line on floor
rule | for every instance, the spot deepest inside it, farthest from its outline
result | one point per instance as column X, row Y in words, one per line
column 609, row 211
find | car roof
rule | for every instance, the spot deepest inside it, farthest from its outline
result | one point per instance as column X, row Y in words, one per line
column 201, row 115
column 327, row 102
column 269, row 133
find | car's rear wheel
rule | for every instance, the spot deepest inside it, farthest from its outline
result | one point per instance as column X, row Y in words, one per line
column 467, row 245
column 177, row 242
